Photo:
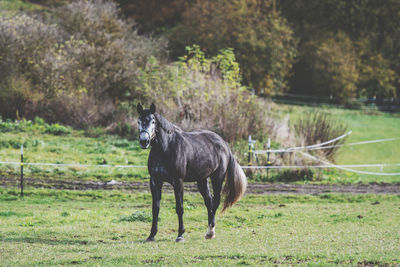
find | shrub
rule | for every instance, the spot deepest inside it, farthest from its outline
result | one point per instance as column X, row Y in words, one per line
column 318, row 127
column 75, row 72
column 199, row 92
column 24, row 41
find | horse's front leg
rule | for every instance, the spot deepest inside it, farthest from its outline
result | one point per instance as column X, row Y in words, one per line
column 155, row 187
column 178, row 189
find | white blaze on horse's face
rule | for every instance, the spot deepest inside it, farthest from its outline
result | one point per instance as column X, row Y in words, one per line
column 147, row 130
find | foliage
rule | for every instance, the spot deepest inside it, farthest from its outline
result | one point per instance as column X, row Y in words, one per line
column 377, row 78
column 57, row 129
column 92, row 67
column 76, row 71
column 154, row 15
column 319, row 127
column 328, row 67
column 264, row 36
column 201, row 92
column 370, row 27
column 38, row 125
column 261, row 38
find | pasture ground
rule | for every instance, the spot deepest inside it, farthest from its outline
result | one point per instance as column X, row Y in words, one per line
column 49, row 227
column 366, row 125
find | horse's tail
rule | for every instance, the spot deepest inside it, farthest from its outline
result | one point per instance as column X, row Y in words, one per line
column 235, row 184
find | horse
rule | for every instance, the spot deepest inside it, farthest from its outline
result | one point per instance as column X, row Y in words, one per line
column 177, row 156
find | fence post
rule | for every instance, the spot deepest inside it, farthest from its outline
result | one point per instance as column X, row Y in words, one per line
column 249, row 152
column 268, row 162
column 22, row 170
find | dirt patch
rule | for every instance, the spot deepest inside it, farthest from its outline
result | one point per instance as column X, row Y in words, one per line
column 253, row 188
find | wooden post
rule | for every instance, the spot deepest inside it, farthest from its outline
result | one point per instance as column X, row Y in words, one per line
column 249, row 152
column 268, row 162
column 22, row 170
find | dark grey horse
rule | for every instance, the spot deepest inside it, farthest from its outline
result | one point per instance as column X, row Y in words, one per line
column 177, row 156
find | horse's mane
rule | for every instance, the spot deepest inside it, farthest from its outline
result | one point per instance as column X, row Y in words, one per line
column 169, row 127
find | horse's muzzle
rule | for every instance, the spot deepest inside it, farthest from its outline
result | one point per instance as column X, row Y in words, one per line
column 145, row 143
column 144, row 140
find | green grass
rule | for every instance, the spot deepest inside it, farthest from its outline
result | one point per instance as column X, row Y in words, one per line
column 366, row 125
column 90, row 228
column 18, row 5
column 44, row 143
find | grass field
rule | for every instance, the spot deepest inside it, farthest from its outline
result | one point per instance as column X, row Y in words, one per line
column 366, row 125
column 108, row 228
column 45, row 143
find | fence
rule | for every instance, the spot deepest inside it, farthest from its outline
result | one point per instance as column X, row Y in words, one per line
column 318, row 146
column 251, row 153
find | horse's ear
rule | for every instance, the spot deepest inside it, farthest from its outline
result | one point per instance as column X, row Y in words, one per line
column 152, row 108
column 139, row 108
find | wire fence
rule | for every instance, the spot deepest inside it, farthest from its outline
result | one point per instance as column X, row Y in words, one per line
column 326, row 163
column 301, row 149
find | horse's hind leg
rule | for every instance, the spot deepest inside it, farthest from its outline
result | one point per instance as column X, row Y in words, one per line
column 216, row 180
column 205, row 192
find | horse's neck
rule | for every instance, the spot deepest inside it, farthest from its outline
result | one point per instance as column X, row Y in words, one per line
column 166, row 132
column 164, row 138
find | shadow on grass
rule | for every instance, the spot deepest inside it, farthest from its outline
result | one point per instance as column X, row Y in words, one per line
column 55, row 241
column 46, row 241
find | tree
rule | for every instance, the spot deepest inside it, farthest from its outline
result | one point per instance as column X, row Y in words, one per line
column 371, row 26
column 261, row 38
column 328, row 67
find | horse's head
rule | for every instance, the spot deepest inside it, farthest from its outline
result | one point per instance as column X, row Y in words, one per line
column 147, row 125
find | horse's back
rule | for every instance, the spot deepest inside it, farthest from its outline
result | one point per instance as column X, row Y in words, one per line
column 206, row 152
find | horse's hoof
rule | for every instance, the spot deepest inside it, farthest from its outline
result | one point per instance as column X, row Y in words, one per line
column 179, row 239
column 209, row 236
column 211, row 232
column 150, row 239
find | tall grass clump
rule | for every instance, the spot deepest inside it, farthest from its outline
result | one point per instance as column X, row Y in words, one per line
column 318, row 127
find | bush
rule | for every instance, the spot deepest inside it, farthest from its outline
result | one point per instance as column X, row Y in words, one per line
column 75, row 72
column 199, row 92
column 319, row 127
column 24, row 41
